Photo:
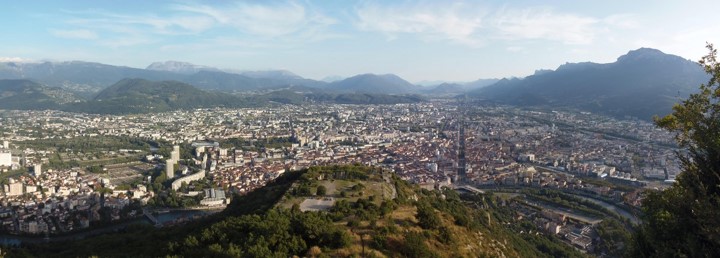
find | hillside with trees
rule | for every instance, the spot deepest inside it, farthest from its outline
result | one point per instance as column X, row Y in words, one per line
column 25, row 94
column 361, row 222
column 142, row 96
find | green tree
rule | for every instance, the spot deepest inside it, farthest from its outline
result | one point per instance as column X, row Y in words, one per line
column 415, row 246
column 321, row 190
column 303, row 190
column 682, row 220
column 427, row 218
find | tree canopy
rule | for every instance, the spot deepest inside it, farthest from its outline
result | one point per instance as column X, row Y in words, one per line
column 682, row 220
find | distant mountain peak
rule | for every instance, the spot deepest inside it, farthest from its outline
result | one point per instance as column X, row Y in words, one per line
column 179, row 67
column 642, row 83
column 374, row 83
column 542, row 71
column 156, row 65
column 576, row 66
column 644, row 53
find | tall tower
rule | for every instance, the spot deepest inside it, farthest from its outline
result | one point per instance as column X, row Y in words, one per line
column 170, row 168
column 37, row 169
column 6, row 145
column 175, row 154
column 205, row 161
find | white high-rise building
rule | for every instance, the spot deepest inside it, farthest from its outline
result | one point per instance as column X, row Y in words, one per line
column 6, row 145
column 5, row 158
column 205, row 161
column 170, row 168
column 175, row 154
column 37, row 169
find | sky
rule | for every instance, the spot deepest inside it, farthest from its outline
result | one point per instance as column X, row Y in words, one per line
column 417, row 40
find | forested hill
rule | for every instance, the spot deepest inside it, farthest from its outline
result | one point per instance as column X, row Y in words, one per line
column 374, row 214
column 26, row 94
column 143, row 96
column 133, row 96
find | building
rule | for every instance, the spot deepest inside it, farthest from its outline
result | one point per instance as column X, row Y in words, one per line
column 30, row 188
column 199, row 151
column 5, row 159
column 213, row 197
column 15, row 189
column 37, row 169
column 175, row 154
column 6, row 145
column 170, row 168
column 187, row 179
column 527, row 157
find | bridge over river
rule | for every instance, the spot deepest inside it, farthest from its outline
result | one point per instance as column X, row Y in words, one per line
column 152, row 218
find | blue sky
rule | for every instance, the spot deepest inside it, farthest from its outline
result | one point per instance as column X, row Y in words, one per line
column 417, row 40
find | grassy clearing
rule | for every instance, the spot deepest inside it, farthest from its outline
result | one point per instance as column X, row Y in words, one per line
column 335, row 188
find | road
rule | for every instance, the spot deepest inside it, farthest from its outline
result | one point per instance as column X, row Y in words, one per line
column 566, row 212
column 611, row 207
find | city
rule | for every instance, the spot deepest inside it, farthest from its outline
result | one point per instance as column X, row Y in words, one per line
column 361, row 128
column 197, row 159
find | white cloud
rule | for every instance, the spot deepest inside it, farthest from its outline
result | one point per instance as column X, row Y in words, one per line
column 121, row 23
column 117, row 42
column 624, row 21
column 475, row 25
column 177, row 24
column 263, row 20
column 688, row 43
column 545, row 24
column 75, row 34
column 455, row 22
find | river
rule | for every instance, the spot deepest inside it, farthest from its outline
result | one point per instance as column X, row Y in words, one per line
column 612, row 208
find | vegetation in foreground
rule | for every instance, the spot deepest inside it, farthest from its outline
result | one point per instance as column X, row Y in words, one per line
column 417, row 223
column 682, row 220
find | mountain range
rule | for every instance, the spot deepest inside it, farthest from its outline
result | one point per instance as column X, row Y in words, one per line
column 87, row 79
column 133, row 95
column 642, row 83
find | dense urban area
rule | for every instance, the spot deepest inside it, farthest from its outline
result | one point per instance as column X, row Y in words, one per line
column 564, row 173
